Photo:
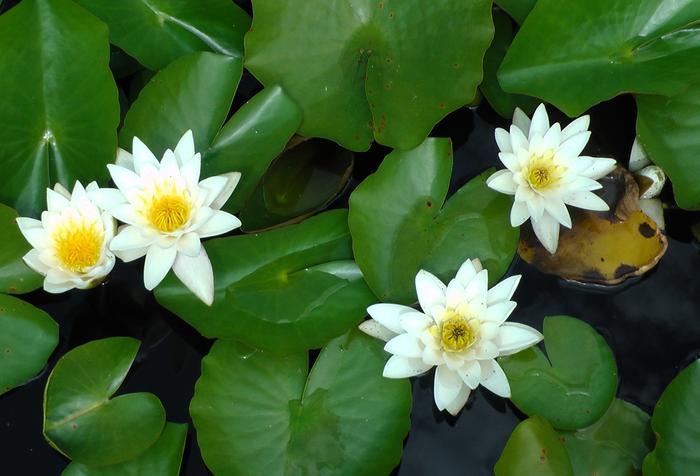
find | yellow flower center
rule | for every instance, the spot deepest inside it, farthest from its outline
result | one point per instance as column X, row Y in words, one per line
column 543, row 172
column 455, row 332
column 169, row 208
column 78, row 244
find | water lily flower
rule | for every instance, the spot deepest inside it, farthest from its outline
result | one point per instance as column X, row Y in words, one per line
column 70, row 244
column 545, row 172
column 461, row 330
column 167, row 211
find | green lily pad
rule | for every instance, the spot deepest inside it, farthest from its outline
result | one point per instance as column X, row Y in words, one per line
column 675, row 423
column 518, row 9
column 195, row 92
column 577, row 53
column 256, row 413
column 156, row 32
column 83, row 422
column 285, row 290
column 371, row 69
column 28, row 336
column 400, row 225
column 161, row 459
column 534, row 448
column 574, row 384
column 303, row 180
column 15, row 276
column 59, row 113
column 615, row 445
column 669, row 129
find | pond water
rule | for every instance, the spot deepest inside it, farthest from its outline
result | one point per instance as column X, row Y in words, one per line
column 652, row 325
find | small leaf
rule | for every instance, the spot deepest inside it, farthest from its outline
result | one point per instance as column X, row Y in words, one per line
column 256, row 413
column 15, row 276
column 80, row 419
column 574, row 384
column 28, row 336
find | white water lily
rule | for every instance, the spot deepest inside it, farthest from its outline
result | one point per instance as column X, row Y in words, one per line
column 461, row 331
column 545, row 172
column 70, row 244
column 167, row 211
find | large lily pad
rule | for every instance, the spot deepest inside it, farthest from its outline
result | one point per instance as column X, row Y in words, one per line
column 259, row 414
column 59, row 112
column 284, row 290
column 195, row 92
column 28, row 336
column 574, row 384
column 156, row 32
column 83, row 422
column 161, row 459
column 676, row 424
column 400, row 225
column 577, row 53
column 534, row 448
column 387, row 70
column 15, row 276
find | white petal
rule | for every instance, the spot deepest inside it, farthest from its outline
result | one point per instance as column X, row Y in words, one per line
column 405, row 345
column 401, row 367
column 503, row 291
column 502, row 181
column 573, row 146
column 107, row 198
column 33, row 231
column 511, row 161
column 466, row 272
column 552, row 138
column 519, row 214
column 658, row 179
column 374, row 329
column 518, row 139
column 494, row 379
column 600, row 167
column 547, row 231
column 189, row 244
column 124, row 179
column 471, row 374
column 220, row 222
column 124, row 159
column 535, row 206
column 57, row 187
column 455, row 294
column 503, row 140
column 129, row 238
column 540, row 122
column 221, row 193
column 654, row 210
column 168, row 164
column 638, row 156
column 430, row 291
column 196, row 274
column 131, row 255
column 142, row 156
column 389, row 315
column 557, row 209
column 521, row 120
column 184, row 150
column 587, row 201
column 33, row 260
column 575, row 127
column 432, row 356
column 477, row 288
column 514, row 337
column 460, row 400
column 158, row 263
column 499, row 312
column 447, row 386
column 55, row 201
column 414, row 322
column 190, row 171
column 488, row 330
column 486, row 350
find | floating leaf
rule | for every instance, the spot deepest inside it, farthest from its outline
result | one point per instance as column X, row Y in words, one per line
column 399, row 224
column 59, row 113
column 534, row 448
column 195, row 92
column 284, row 290
column 301, row 181
column 15, row 276
column 676, row 424
column 614, row 445
column 28, row 336
column 577, row 53
column 518, row 9
column 161, row 459
column 256, row 413
column 83, row 422
column 156, row 32
column 574, row 384
column 386, row 70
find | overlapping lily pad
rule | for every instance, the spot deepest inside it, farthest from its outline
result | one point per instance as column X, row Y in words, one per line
column 371, row 69
column 195, row 92
column 15, row 276
column 260, row 414
column 518, row 9
column 157, row 32
column 59, row 112
column 284, row 290
column 400, row 222
column 28, row 336
column 574, row 384
column 83, row 422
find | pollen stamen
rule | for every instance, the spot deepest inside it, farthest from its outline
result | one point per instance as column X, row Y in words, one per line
column 78, row 245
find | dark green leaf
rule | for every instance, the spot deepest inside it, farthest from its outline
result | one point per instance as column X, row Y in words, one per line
column 387, row 70
column 15, row 276
column 59, row 112
column 28, row 336
column 284, row 290
column 80, row 419
column 518, row 9
column 399, row 224
column 258, row 414
column 574, row 384
column 156, row 32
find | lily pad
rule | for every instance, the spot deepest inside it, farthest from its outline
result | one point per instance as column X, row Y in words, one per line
column 195, row 92
column 285, row 290
column 59, row 113
column 301, row 181
column 615, row 445
column 83, row 422
column 386, row 70
column 28, row 336
column 534, row 448
column 161, row 459
column 15, row 276
column 256, row 413
column 676, row 424
column 400, row 222
column 577, row 53
column 156, row 32
column 518, row 9
column 574, row 384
